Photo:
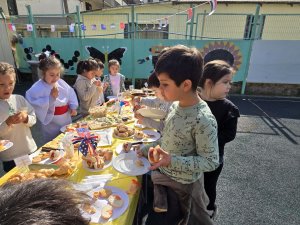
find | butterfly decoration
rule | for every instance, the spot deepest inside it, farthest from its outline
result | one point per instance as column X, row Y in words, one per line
column 115, row 54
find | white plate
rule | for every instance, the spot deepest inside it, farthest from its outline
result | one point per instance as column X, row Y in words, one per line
column 50, row 161
column 105, row 137
column 111, row 97
column 119, row 149
column 106, row 165
column 123, row 138
column 98, row 204
column 152, row 113
column 154, row 136
column 125, row 163
column 6, row 144
column 139, row 126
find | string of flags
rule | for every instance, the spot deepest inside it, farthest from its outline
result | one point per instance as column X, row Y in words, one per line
column 162, row 22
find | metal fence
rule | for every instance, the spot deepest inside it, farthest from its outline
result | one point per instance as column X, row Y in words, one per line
column 147, row 26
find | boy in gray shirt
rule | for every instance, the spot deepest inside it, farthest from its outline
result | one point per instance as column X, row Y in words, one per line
column 189, row 145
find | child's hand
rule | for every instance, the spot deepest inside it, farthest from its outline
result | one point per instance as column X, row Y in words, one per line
column 139, row 117
column 20, row 117
column 105, row 85
column 73, row 112
column 97, row 83
column 165, row 158
column 54, row 92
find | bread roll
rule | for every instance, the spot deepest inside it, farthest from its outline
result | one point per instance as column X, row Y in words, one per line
column 115, row 200
column 106, row 212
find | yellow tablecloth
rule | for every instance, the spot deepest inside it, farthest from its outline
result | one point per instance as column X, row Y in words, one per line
column 119, row 180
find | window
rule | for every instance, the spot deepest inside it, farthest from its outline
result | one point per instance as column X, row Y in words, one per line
column 12, row 7
column 88, row 6
column 147, row 31
column 259, row 26
column 66, row 34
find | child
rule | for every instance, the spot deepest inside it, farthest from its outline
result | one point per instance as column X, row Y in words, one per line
column 157, row 102
column 16, row 118
column 52, row 98
column 87, row 87
column 114, row 79
column 42, row 201
column 189, row 145
column 214, row 87
column 98, row 75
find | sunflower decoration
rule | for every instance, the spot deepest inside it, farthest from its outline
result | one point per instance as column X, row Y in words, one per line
column 222, row 50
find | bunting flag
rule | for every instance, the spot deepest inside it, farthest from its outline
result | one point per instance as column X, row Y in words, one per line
column 29, row 27
column 166, row 22
column 190, row 14
column 94, row 27
column 103, row 27
column 72, row 27
column 122, row 26
column 52, row 27
column 213, row 6
column 113, row 26
column 83, row 27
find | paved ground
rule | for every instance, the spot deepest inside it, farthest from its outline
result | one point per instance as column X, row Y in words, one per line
column 260, row 181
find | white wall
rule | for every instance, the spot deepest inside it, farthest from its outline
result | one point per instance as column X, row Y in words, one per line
column 5, row 48
column 46, row 6
column 275, row 62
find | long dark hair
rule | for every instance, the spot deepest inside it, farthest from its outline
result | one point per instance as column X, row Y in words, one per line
column 215, row 70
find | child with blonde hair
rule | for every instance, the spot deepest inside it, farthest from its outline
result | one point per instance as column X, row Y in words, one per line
column 114, row 79
column 16, row 118
column 87, row 87
column 52, row 98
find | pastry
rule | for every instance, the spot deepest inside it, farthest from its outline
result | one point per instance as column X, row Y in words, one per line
column 54, row 154
column 139, row 163
column 36, row 159
column 115, row 200
column 127, row 146
column 106, row 212
column 139, row 135
column 102, row 193
column 154, row 156
column 88, row 208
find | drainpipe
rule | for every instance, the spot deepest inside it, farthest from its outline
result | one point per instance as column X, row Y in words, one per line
column 252, row 39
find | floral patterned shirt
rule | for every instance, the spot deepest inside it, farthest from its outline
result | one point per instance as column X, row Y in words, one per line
column 190, row 136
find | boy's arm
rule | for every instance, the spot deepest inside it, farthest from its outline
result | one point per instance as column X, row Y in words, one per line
column 207, row 149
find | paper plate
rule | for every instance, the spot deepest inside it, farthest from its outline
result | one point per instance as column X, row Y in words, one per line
column 119, row 149
column 123, row 138
column 5, row 144
column 111, row 97
column 50, row 161
column 153, row 136
column 106, row 165
column 152, row 113
column 125, row 163
column 99, row 203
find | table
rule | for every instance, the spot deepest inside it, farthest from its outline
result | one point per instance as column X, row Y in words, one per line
column 119, row 180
